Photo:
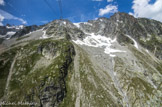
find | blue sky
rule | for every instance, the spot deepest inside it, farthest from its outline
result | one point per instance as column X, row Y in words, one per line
column 39, row 12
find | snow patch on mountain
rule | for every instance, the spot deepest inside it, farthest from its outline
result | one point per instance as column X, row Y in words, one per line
column 44, row 36
column 119, row 21
column 87, row 23
column 15, row 27
column 77, row 25
column 21, row 26
column 64, row 23
column 99, row 41
column 147, row 51
column 135, row 43
column 101, row 20
column 10, row 27
column 10, row 34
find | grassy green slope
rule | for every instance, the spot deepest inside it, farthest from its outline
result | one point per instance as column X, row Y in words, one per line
column 34, row 72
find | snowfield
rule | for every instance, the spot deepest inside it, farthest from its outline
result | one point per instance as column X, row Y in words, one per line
column 135, row 43
column 99, row 41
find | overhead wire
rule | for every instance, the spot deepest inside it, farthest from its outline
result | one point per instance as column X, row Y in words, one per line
column 49, row 6
column 13, row 8
column 60, row 7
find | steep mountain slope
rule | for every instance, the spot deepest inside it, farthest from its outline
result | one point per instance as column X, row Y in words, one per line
column 114, row 62
column 38, row 73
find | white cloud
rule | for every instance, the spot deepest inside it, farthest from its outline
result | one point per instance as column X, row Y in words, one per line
column 2, row 2
column 1, row 19
column 142, row 8
column 9, row 16
column 110, row 0
column 108, row 9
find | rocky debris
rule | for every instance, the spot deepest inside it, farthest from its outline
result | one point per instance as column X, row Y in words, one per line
column 48, row 50
column 63, row 28
column 125, row 80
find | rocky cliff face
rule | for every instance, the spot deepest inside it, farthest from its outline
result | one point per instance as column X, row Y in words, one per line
column 39, row 72
column 114, row 62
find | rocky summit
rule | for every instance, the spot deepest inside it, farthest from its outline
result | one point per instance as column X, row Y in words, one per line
column 107, row 62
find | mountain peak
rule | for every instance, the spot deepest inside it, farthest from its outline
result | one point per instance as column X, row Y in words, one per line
column 122, row 16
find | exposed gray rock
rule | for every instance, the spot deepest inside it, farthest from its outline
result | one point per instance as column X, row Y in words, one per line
column 117, row 63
